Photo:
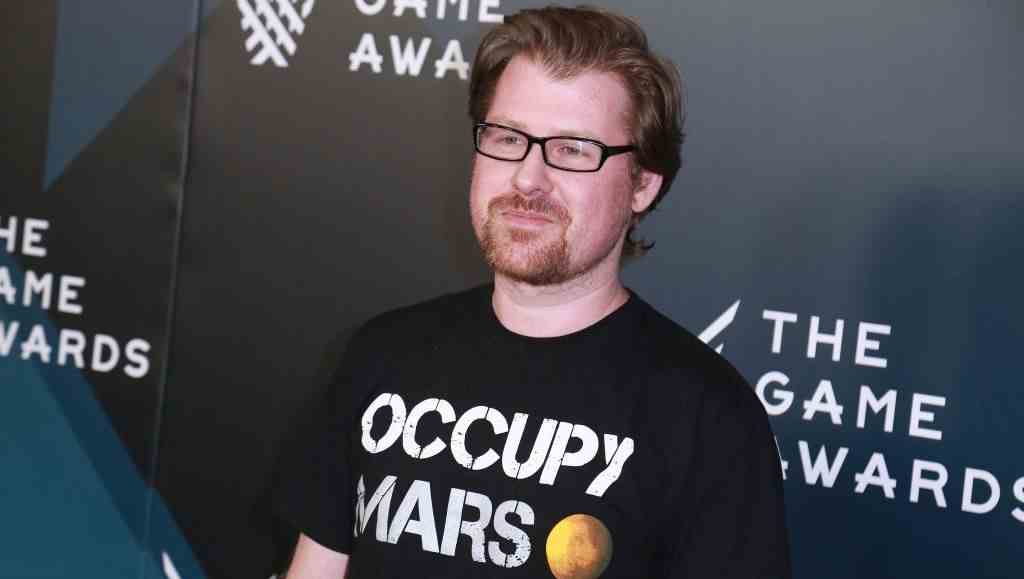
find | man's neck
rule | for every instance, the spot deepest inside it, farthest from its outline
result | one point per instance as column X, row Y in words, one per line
column 556, row 310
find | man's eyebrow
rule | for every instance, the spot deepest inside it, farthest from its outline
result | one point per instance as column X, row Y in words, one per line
column 509, row 123
column 558, row 132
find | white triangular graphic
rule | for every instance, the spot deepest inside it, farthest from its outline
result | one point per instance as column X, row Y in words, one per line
column 169, row 569
column 721, row 323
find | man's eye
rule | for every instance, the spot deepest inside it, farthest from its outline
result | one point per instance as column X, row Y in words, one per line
column 573, row 149
column 503, row 139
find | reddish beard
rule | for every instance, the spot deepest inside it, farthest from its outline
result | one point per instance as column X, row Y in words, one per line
column 526, row 255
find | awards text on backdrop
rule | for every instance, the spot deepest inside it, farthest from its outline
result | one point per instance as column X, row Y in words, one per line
column 408, row 55
column 49, row 291
column 981, row 492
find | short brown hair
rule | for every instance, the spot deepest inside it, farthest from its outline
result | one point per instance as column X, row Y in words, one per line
column 570, row 41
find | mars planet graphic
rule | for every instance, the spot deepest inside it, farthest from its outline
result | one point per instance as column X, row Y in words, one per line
column 579, row 547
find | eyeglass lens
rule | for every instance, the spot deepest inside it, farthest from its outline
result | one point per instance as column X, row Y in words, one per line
column 510, row 145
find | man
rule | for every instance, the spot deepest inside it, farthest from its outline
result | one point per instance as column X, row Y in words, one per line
column 550, row 424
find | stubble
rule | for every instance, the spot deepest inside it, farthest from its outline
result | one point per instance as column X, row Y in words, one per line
column 536, row 257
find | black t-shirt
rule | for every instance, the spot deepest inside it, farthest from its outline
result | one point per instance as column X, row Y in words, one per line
column 452, row 447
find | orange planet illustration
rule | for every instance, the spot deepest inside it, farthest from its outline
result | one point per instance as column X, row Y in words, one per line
column 579, row 547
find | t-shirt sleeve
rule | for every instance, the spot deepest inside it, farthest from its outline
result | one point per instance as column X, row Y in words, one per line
column 729, row 521
column 313, row 491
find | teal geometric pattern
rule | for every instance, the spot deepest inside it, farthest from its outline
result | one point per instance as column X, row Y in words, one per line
column 105, row 51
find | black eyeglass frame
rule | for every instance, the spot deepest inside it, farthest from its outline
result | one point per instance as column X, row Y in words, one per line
column 606, row 150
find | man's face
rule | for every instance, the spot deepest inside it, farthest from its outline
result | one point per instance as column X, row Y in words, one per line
column 542, row 225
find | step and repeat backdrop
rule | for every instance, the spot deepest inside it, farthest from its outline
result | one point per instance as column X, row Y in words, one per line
column 92, row 172
column 202, row 199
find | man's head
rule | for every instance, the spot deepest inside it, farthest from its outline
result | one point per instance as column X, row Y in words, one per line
column 571, row 72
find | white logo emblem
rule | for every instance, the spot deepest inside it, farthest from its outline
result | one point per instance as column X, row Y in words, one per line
column 273, row 26
column 169, row 569
column 721, row 323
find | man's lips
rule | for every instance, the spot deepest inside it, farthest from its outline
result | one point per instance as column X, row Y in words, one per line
column 517, row 216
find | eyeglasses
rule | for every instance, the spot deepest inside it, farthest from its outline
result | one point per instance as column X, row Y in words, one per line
column 577, row 154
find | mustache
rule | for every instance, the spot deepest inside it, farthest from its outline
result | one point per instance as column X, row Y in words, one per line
column 538, row 205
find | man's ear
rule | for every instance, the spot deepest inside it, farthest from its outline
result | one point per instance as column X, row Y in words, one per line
column 648, row 185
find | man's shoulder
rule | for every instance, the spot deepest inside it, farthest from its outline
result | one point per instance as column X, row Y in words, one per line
column 669, row 343
column 678, row 352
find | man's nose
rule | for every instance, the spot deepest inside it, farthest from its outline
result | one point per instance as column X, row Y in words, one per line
column 531, row 176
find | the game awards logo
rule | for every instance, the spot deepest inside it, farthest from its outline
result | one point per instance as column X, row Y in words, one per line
column 719, row 325
column 273, row 27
